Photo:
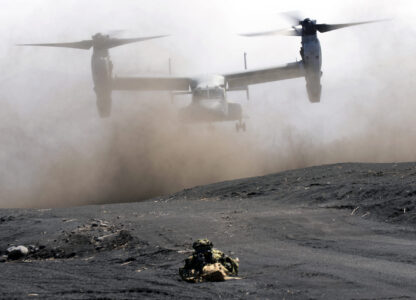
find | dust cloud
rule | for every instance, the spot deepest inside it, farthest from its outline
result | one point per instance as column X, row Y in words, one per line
column 373, row 121
column 56, row 151
column 134, row 155
column 144, row 151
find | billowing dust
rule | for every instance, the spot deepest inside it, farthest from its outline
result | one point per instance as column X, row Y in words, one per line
column 136, row 154
column 141, row 151
column 65, row 155
column 58, row 152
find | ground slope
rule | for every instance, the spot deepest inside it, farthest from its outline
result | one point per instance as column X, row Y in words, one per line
column 343, row 231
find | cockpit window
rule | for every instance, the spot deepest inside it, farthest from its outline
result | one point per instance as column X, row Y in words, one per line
column 201, row 94
column 216, row 94
column 204, row 94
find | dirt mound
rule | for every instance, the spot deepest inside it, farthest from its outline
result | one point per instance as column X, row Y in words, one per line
column 386, row 192
column 92, row 237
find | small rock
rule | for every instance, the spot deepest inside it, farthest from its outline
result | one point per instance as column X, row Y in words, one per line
column 17, row 252
column 33, row 249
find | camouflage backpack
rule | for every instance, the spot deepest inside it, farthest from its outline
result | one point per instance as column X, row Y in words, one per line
column 204, row 255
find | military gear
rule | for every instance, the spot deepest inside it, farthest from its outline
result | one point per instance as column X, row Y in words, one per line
column 207, row 264
column 216, row 272
column 202, row 245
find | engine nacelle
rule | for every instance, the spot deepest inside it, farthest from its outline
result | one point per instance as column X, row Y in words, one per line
column 312, row 59
column 314, row 88
column 102, row 68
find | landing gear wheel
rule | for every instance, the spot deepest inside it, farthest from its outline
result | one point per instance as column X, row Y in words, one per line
column 240, row 125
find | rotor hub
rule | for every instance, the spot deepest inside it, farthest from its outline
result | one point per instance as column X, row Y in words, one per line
column 308, row 26
column 100, row 41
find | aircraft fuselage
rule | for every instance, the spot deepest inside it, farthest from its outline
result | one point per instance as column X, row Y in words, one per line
column 209, row 102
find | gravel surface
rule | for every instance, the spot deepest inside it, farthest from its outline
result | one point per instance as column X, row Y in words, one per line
column 344, row 231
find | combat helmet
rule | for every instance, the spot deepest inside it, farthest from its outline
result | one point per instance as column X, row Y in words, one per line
column 202, row 245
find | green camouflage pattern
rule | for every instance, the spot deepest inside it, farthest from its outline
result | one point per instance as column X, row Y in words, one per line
column 202, row 245
column 203, row 255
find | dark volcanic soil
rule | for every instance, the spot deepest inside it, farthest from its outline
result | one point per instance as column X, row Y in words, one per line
column 343, row 231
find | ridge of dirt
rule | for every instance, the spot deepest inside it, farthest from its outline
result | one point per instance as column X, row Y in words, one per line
column 386, row 191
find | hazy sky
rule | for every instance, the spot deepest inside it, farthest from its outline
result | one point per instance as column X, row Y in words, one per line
column 368, row 75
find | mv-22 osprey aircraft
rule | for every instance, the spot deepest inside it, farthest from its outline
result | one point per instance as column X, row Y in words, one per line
column 209, row 93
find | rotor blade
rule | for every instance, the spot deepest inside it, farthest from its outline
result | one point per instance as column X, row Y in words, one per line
column 85, row 45
column 289, row 32
column 294, row 16
column 118, row 42
column 329, row 27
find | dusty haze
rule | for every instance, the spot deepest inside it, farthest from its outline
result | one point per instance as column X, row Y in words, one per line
column 57, row 152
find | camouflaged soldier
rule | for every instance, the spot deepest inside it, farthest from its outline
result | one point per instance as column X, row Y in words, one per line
column 203, row 256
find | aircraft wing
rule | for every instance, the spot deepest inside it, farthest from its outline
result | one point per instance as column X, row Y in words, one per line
column 151, row 83
column 246, row 78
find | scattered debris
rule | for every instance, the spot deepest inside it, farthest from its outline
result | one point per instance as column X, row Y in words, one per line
column 354, row 210
column 141, row 269
column 69, row 220
column 95, row 236
column 365, row 215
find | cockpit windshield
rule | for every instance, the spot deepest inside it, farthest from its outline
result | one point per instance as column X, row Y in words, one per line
column 206, row 94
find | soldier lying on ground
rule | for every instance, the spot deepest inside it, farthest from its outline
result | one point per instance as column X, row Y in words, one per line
column 208, row 264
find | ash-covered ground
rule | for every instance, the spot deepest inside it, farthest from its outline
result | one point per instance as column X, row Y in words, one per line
column 344, row 231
